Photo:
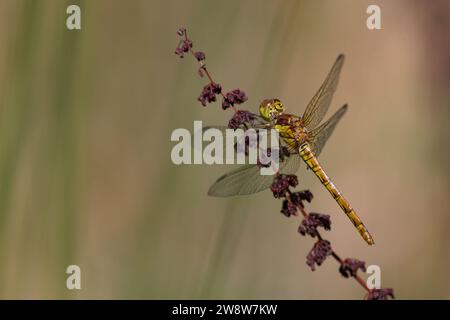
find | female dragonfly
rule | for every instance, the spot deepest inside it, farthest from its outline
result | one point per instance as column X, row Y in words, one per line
column 304, row 138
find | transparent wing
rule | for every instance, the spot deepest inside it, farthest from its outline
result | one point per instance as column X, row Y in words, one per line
column 319, row 104
column 247, row 179
column 320, row 135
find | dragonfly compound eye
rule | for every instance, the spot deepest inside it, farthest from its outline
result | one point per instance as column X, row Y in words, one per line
column 270, row 108
column 264, row 109
column 278, row 105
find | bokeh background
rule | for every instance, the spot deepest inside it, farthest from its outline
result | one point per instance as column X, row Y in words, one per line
column 85, row 170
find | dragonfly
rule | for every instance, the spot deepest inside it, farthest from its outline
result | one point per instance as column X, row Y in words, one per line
column 304, row 137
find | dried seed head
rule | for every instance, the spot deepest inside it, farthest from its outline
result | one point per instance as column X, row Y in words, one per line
column 281, row 184
column 310, row 224
column 318, row 254
column 381, row 294
column 200, row 56
column 236, row 96
column 209, row 93
column 350, row 267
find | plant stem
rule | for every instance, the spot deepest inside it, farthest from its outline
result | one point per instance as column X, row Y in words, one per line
column 333, row 253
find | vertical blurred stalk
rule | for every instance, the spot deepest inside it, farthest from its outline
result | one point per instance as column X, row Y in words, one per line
column 49, row 214
column 64, row 149
column 15, row 118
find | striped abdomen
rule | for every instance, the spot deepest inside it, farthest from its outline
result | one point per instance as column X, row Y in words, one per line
column 308, row 156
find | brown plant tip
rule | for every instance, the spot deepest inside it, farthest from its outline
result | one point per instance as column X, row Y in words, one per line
column 288, row 208
column 241, row 118
column 281, row 183
column 236, row 96
column 200, row 56
column 297, row 198
column 183, row 47
column 318, row 254
column 209, row 93
column 350, row 267
column 310, row 224
column 181, row 31
column 381, row 294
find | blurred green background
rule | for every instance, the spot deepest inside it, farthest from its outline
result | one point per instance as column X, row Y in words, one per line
column 85, row 170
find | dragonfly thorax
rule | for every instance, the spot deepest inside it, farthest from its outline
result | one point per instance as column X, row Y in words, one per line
column 270, row 109
column 291, row 130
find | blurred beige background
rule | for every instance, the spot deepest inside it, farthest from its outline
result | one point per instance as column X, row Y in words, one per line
column 85, row 170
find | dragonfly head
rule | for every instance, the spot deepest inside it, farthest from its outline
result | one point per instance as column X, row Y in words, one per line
column 270, row 109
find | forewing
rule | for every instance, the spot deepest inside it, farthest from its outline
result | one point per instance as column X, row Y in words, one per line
column 320, row 135
column 319, row 104
column 247, row 179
